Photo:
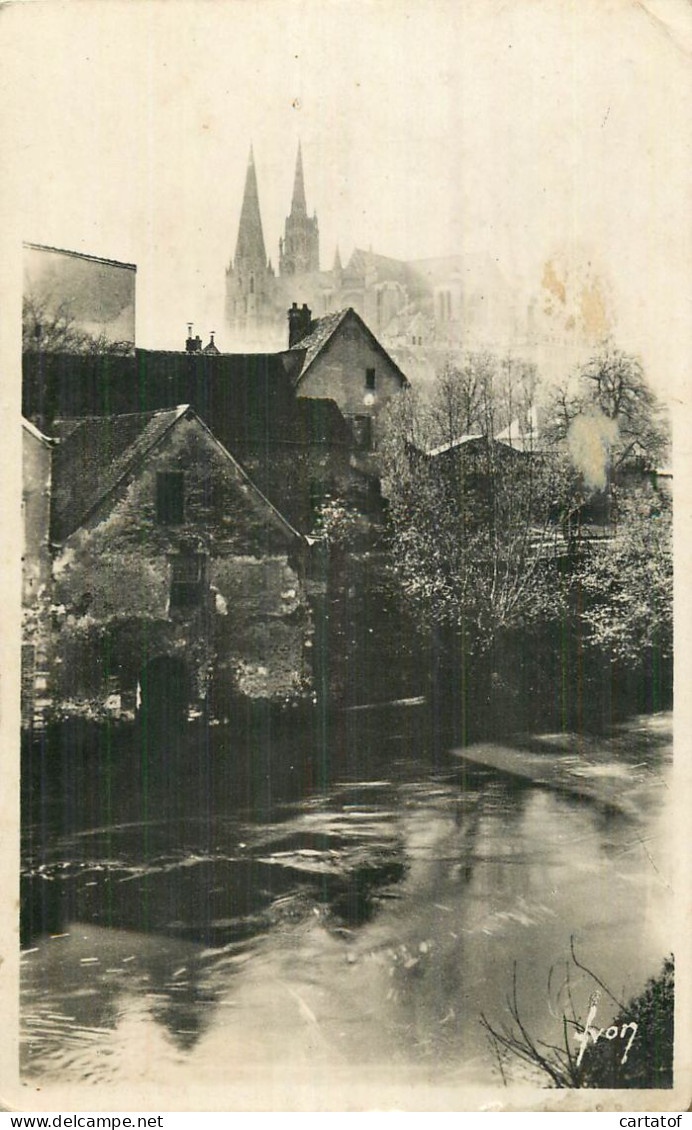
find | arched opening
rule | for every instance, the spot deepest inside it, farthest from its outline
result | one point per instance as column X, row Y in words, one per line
column 164, row 693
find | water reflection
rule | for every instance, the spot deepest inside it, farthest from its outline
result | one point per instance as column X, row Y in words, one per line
column 371, row 920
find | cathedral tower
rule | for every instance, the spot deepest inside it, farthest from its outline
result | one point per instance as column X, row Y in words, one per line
column 250, row 276
column 299, row 250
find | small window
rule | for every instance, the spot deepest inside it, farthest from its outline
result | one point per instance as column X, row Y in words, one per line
column 370, row 379
column 362, row 432
column 170, row 498
column 187, row 579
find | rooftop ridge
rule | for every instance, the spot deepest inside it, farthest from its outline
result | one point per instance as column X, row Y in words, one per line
column 79, row 255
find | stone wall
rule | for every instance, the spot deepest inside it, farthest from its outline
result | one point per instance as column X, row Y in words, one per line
column 248, row 632
column 36, row 576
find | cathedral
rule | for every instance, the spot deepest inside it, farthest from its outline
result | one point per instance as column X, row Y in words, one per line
column 420, row 306
column 257, row 297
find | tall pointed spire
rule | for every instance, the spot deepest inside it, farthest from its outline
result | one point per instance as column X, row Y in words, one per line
column 298, row 205
column 250, row 243
column 299, row 250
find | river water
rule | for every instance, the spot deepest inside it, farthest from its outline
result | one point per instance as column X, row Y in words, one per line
column 337, row 917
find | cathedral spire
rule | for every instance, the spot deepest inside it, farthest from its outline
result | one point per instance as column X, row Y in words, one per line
column 299, row 250
column 250, row 243
column 298, row 205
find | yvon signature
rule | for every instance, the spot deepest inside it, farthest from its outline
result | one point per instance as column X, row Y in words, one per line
column 613, row 1033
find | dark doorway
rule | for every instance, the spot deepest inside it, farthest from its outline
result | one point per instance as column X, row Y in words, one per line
column 165, row 694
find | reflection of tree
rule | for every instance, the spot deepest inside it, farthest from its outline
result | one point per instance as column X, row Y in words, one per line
column 182, row 1003
column 78, row 1012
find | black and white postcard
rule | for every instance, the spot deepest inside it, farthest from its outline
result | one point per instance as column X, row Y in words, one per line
column 346, row 377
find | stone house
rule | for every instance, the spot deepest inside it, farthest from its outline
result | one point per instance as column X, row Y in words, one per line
column 340, row 358
column 178, row 587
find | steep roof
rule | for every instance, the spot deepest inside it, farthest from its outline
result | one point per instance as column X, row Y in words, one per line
column 524, row 435
column 322, row 330
column 97, row 454
column 246, row 398
column 94, row 455
column 388, row 270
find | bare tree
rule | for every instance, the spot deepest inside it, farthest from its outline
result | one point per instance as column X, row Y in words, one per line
column 459, row 396
column 634, row 1050
column 612, row 383
column 52, row 327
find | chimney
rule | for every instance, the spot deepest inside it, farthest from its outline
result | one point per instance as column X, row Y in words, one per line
column 192, row 344
column 299, row 322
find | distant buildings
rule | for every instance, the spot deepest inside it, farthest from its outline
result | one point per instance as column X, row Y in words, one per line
column 417, row 306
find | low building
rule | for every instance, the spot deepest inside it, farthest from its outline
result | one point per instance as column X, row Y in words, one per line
column 178, row 587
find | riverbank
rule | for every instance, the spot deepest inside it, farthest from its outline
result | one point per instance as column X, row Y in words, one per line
column 618, row 775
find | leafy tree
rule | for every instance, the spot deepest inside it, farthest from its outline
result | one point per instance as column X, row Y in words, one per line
column 491, row 544
column 474, row 538
column 340, row 525
column 627, row 582
column 476, row 529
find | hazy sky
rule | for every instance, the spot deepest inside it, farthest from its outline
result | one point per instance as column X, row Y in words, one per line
column 522, row 128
